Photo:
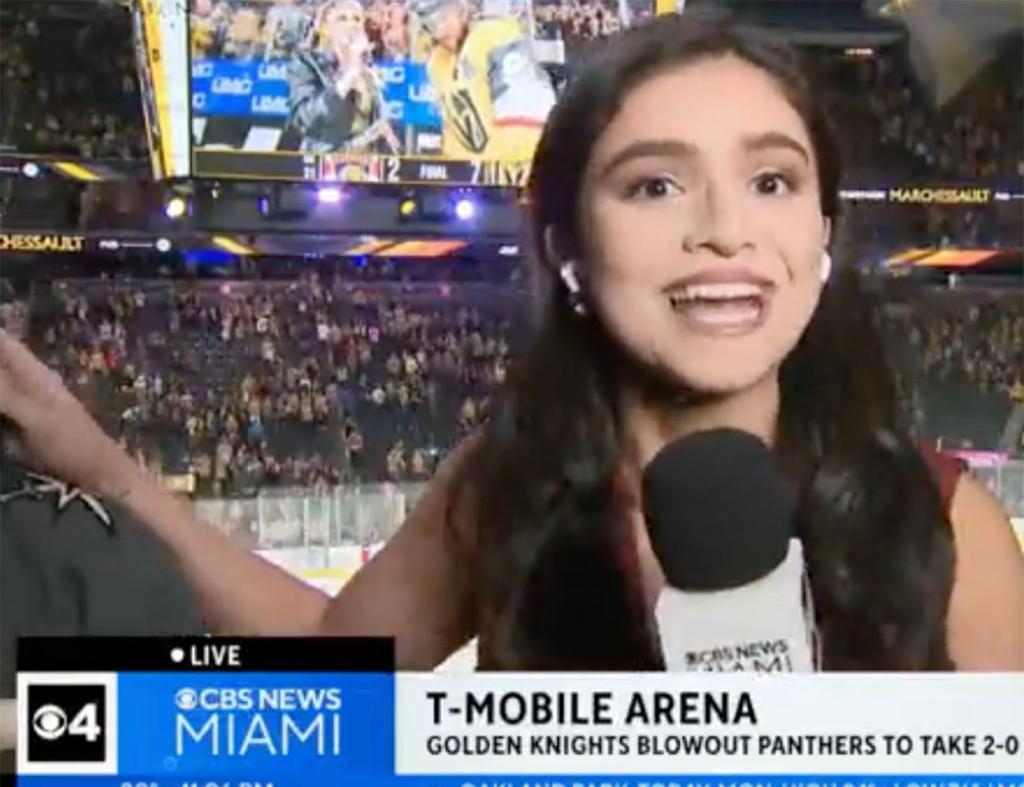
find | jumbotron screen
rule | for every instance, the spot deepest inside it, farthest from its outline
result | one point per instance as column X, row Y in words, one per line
column 383, row 91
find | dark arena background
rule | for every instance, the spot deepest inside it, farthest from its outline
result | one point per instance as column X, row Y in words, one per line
column 291, row 316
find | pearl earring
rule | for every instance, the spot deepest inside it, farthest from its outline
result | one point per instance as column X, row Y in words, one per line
column 826, row 267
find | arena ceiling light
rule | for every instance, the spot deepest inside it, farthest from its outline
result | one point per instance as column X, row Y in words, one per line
column 175, row 207
column 431, row 205
column 328, row 195
column 407, row 208
column 465, row 209
column 30, row 169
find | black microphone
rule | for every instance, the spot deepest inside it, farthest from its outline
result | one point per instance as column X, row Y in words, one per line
column 720, row 520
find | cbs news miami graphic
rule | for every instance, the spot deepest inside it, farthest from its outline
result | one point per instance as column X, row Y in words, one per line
column 197, row 712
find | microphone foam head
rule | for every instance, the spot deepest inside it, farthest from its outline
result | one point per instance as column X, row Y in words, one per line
column 718, row 512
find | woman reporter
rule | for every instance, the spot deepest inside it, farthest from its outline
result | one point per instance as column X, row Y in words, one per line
column 683, row 195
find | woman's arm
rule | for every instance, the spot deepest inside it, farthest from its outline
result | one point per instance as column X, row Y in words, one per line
column 986, row 615
column 240, row 592
column 420, row 587
column 8, row 725
column 416, row 589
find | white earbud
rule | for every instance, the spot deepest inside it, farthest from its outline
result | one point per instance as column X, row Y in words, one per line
column 568, row 274
column 572, row 284
column 826, row 266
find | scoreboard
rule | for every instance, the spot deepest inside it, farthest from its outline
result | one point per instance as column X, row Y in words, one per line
column 359, row 168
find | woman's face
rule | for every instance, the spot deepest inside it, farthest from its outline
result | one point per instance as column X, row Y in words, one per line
column 448, row 25
column 702, row 225
column 346, row 23
column 396, row 29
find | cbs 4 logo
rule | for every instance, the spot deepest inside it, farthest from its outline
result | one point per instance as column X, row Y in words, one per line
column 67, row 723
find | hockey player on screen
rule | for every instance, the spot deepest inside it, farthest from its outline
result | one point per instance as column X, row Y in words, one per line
column 494, row 96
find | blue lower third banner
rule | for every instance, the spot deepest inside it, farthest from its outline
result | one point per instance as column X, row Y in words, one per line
column 284, row 713
column 193, row 712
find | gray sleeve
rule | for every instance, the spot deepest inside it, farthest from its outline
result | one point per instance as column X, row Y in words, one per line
column 133, row 583
column 74, row 565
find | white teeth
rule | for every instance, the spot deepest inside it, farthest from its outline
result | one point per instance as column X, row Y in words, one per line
column 717, row 292
column 728, row 316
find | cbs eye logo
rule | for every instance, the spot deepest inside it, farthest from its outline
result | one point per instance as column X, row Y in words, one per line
column 66, row 723
column 50, row 722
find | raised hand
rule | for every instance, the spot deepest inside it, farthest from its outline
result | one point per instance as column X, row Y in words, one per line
column 54, row 430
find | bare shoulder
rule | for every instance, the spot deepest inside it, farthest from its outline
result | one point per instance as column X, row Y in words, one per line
column 419, row 588
column 986, row 616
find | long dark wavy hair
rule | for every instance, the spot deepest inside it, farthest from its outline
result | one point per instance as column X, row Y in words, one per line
column 556, row 570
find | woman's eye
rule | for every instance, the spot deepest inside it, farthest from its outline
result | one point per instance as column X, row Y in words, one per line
column 772, row 184
column 653, row 188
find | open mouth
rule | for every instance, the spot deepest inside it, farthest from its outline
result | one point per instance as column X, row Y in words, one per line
column 727, row 308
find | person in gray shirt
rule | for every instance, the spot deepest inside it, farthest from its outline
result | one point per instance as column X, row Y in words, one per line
column 73, row 564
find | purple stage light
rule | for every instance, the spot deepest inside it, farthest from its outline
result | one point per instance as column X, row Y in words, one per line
column 465, row 209
column 329, row 195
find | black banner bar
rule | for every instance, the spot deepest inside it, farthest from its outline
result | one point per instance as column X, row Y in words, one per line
column 360, row 168
column 59, row 242
column 257, row 166
column 206, row 654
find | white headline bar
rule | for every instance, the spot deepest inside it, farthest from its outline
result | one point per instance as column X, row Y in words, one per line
column 698, row 723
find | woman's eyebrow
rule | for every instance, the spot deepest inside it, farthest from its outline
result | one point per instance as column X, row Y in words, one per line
column 676, row 148
column 774, row 139
column 648, row 148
